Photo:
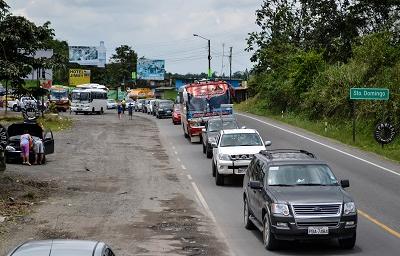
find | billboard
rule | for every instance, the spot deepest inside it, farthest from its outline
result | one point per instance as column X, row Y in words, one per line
column 150, row 69
column 88, row 55
column 79, row 76
column 45, row 76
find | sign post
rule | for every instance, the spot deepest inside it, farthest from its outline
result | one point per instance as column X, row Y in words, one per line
column 365, row 94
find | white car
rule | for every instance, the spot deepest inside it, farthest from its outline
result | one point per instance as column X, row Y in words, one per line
column 111, row 104
column 233, row 151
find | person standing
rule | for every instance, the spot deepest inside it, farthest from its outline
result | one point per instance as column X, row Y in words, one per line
column 38, row 148
column 130, row 110
column 123, row 106
column 25, row 144
column 119, row 109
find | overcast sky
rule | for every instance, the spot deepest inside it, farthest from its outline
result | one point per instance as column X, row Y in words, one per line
column 161, row 29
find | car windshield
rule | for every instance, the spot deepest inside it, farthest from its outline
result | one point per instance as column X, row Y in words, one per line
column 217, row 125
column 166, row 104
column 55, row 95
column 301, row 175
column 241, row 139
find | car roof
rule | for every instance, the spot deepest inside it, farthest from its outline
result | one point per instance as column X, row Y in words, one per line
column 235, row 131
column 57, row 248
column 289, row 156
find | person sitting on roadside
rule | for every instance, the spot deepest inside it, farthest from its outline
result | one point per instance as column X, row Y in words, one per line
column 25, row 144
column 38, row 148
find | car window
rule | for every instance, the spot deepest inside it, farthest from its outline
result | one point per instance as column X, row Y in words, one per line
column 241, row 139
column 301, row 175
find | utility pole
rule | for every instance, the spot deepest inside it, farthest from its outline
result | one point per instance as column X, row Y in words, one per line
column 209, row 58
column 230, row 64
column 223, row 56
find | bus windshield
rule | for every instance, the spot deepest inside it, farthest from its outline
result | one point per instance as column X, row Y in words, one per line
column 57, row 95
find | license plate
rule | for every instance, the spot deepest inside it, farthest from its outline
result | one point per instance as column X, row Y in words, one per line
column 318, row 230
column 241, row 170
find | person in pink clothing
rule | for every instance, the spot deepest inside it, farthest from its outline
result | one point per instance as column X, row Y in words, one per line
column 25, row 143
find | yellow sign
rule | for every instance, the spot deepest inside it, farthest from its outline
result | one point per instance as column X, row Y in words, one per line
column 79, row 76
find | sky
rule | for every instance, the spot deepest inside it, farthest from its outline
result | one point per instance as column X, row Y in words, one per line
column 159, row 29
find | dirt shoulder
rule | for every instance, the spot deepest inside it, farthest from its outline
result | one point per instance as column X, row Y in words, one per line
column 114, row 181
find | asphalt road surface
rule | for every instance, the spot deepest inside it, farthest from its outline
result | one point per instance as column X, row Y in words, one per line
column 374, row 184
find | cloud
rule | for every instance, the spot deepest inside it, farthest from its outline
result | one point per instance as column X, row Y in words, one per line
column 159, row 29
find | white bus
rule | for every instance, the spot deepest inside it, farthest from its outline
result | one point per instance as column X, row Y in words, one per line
column 89, row 100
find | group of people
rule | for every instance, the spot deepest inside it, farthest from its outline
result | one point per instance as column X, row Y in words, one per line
column 121, row 108
column 28, row 142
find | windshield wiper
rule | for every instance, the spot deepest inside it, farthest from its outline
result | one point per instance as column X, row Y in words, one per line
column 282, row 185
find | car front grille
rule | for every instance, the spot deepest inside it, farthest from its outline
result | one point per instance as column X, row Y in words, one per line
column 317, row 210
column 330, row 224
column 242, row 157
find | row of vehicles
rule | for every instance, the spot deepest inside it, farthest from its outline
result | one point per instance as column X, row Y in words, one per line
column 157, row 107
column 288, row 194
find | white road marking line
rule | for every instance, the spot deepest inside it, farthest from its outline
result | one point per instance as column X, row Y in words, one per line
column 178, row 159
column 189, row 177
column 175, row 152
column 322, row 144
column 183, row 167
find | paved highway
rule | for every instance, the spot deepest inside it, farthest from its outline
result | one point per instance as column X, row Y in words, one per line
column 374, row 183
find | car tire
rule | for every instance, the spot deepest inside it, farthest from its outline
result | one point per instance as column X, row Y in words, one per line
column 101, row 111
column 219, row 178
column 209, row 153
column 213, row 168
column 270, row 242
column 15, row 108
column 348, row 243
column 248, row 224
column 204, row 148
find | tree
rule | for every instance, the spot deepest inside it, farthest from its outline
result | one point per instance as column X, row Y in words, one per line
column 123, row 63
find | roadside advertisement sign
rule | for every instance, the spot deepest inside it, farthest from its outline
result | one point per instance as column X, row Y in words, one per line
column 88, row 55
column 79, row 76
column 44, row 75
column 150, row 69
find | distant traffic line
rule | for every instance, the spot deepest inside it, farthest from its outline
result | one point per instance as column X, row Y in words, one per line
column 322, row 144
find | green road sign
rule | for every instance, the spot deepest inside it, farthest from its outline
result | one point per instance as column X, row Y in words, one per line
column 369, row 94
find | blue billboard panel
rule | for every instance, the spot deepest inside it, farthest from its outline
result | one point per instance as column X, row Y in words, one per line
column 150, row 69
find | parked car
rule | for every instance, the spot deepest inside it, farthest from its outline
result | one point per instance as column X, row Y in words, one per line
column 60, row 247
column 139, row 105
column 13, row 103
column 164, row 108
column 176, row 115
column 233, row 151
column 291, row 195
column 111, row 104
column 211, row 131
column 14, row 132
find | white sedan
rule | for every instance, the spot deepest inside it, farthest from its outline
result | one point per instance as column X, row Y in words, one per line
column 111, row 104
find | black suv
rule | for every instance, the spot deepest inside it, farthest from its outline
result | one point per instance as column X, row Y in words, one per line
column 291, row 195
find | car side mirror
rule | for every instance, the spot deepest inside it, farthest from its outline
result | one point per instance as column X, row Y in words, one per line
column 214, row 144
column 203, row 130
column 255, row 184
column 268, row 143
column 345, row 183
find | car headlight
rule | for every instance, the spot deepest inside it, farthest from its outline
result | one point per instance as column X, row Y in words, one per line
column 349, row 208
column 281, row 209
column 224, row 157
column 10, row 148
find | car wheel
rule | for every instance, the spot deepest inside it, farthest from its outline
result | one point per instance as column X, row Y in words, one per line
column 204, row 149
column 248, row 224
column 44, row 159
column 219, row 179
column 348, row 243
column 208, row 153
column 15, row 108
column 101, row 111
column 270, row 242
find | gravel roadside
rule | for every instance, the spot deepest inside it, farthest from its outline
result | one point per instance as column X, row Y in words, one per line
column 113, row 180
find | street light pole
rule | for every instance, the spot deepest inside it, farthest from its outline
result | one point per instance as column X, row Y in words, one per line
column 209, row 53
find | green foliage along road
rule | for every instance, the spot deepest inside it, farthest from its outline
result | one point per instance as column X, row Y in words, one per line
column 308, row 54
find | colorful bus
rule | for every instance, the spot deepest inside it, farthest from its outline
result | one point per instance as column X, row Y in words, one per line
column 201, row 100
column 59, row 96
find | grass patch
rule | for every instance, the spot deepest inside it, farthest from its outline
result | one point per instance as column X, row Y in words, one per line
column 340, row 130
column 53, row 122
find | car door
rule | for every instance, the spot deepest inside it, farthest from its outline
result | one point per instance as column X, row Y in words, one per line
column 48, row 142
column 258, row 202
